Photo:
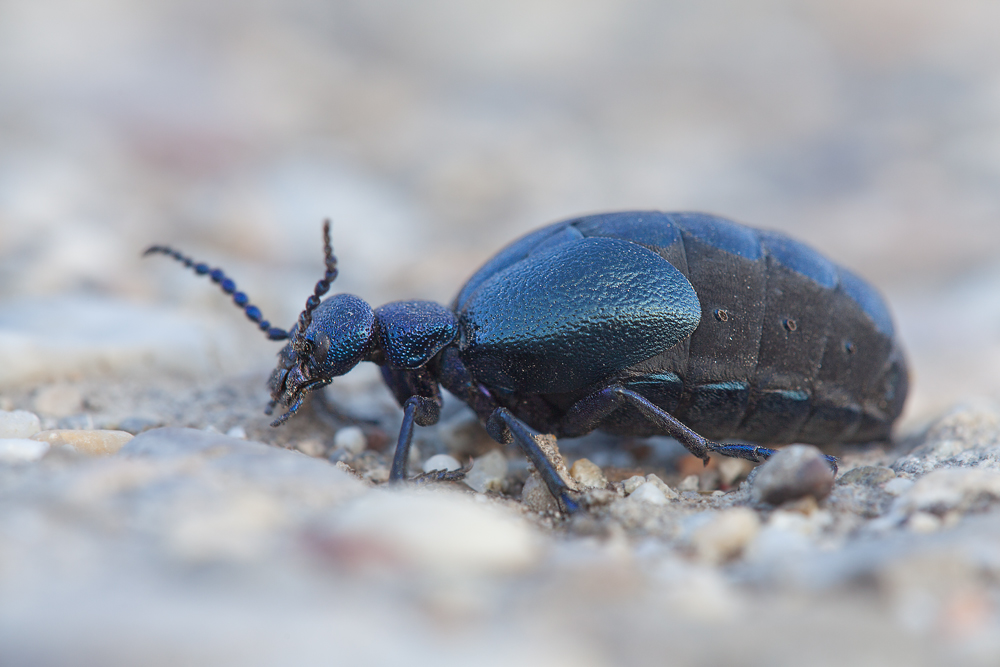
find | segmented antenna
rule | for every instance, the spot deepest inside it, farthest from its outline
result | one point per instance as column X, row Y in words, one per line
column 322, row 287
column 228, row 286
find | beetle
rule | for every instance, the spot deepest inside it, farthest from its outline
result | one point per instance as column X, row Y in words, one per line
column 637, row 323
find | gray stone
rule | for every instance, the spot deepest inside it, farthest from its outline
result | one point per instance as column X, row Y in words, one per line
column 793, row 472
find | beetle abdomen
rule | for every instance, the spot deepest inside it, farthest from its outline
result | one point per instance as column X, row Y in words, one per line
column 790, row 347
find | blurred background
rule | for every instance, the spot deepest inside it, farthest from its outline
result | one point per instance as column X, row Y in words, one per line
column 434, row 132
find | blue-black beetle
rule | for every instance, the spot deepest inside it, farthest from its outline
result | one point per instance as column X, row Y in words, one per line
column 637, row 323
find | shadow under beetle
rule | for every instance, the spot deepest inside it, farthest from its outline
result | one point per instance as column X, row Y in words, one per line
column 637, row 323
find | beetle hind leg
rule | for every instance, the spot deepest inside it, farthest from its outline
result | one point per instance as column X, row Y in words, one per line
column 587, row 414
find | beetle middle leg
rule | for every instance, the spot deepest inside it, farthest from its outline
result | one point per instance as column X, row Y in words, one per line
column 502, row 422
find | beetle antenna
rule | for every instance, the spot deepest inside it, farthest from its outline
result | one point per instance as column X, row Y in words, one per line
column 227, row 285
column 322, row 287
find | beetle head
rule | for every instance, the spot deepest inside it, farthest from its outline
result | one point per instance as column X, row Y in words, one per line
column 330, row 338
column 339, row 335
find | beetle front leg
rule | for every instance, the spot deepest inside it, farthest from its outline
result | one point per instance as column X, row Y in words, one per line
column 422, row 411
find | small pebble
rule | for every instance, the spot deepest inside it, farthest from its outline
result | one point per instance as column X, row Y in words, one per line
column 351, row 439
column 309, row 446
column 19, row 424
column 59, row 400
column 633, row 483
column 441, row 462
column 689, row 484
column 536, row 497
column 588, row 474
column 649, row 493
column 792, row 473
column 237, row 432
column 87, row 442
column 867, row 476
column 923, row 522
column 21, row 450
column 488, row 472
column 725, row 535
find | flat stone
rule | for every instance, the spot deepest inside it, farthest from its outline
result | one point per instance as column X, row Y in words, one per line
column 19, row 424
column 21, row 450
column 793, row 472
column 488, row 472
column 950, row 489
column 436, row 531
column 867, row 476
column 248, row 457
column 98, row 442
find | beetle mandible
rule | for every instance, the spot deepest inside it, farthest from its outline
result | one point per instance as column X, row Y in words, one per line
column 637, row 323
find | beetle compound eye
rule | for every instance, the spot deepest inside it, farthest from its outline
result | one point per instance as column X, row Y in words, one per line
column 321, row 346
column 790, row 324
column 721, row 315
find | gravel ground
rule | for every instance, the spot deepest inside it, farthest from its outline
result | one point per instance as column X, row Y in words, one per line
column 433, row 133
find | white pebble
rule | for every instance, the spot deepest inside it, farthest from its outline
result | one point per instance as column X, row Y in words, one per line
column 663, row 486
column 689, row 484
column 237, row 432
column 441, row 462
column 19, row 424
column 488, row 472
column 633, row 483
column 351, row 439
column 649, row 493
column 19, row 450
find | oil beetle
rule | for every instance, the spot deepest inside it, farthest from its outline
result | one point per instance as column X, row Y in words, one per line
column 637, row 323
